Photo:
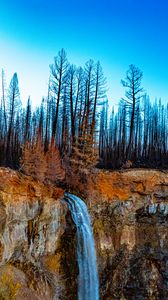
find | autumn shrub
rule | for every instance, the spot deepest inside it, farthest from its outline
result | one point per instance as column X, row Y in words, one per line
column 43, row 166
column 33, row 161
column 54, row 172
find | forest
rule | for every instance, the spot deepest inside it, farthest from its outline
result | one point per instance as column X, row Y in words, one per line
column 74, row 121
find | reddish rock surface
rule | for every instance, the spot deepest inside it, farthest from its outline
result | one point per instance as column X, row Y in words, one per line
column 136, row 184
column 129, row 211
column 130, row 220
column 32, row 224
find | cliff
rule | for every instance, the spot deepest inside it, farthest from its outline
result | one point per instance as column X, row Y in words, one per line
column 34, row 239
column 129, row 211
column 130, row 221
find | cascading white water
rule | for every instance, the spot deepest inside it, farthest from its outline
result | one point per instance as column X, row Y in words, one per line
column 88, row 283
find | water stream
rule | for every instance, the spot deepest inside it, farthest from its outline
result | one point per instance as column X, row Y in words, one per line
column 88, row 283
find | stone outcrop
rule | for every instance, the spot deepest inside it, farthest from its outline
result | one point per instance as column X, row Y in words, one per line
column 35, row 232
column 130, row 221
column 129, row 211
column 137, row 184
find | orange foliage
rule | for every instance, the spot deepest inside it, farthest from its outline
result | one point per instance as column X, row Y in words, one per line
column 54, row 171
column 33, row 161
column 45, row 167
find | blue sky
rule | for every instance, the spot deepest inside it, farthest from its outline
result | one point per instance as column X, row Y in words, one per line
column 117, row 33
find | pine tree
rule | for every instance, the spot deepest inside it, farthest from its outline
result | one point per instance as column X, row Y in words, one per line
column 33, row 162
column 54, row 171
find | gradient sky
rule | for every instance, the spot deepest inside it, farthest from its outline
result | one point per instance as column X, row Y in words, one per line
column 117, row 33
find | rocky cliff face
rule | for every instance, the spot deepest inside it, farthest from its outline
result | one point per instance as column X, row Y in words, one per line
column 35, row 235
column 129, row 212
column 130, row 221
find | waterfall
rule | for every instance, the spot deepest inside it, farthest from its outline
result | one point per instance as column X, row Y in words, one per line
column 88, row 283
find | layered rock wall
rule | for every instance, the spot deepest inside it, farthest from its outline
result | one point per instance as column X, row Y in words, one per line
column 32, row 228
column 130, row 220
column 129, row 212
